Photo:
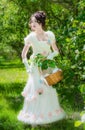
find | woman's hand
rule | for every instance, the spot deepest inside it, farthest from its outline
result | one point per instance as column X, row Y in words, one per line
column 29, row 68
column 24, row 60
column 52, row 55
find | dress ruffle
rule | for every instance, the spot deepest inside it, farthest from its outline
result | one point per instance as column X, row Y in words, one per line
column 40, row 107
column 41, row 118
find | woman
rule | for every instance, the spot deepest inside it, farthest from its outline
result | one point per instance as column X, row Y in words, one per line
column 41, row 105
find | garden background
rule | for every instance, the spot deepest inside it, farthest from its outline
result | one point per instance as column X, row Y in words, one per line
column 66, row 18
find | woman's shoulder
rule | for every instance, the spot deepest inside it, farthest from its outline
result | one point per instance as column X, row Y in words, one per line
column 29, row 37
column 49, row 32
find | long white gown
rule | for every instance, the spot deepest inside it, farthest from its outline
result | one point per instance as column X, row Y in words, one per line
column 40, row 108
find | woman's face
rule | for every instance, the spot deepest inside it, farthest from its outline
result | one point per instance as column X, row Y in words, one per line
column 34, row 25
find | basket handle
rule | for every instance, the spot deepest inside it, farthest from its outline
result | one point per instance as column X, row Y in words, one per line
column 42, row 77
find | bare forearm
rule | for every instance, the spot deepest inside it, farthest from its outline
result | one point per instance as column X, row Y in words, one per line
column 54, row 47
column 24, row 51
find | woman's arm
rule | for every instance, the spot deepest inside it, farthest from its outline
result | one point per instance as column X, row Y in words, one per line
column 25, row 50
column 54, row 46
column 24, row 57
column 55, row 51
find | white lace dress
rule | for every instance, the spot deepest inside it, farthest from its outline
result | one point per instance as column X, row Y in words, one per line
column 40, row 108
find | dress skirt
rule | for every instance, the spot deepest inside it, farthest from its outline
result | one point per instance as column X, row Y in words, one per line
column 41, row 104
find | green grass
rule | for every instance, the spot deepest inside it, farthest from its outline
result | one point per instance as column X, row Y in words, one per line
column 13, row 78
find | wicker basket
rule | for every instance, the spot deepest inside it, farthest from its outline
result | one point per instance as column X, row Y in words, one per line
column 54, row 78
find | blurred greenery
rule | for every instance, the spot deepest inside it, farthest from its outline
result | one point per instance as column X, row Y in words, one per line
column 66, row 18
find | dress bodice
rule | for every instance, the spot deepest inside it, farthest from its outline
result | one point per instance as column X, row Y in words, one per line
column 42, row 47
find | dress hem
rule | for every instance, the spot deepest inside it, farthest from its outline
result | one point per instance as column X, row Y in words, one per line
column 40, row 120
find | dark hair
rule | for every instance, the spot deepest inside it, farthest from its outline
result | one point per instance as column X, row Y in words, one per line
column 40, row 17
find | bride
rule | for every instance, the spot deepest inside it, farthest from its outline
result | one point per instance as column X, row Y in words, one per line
column 41, row 105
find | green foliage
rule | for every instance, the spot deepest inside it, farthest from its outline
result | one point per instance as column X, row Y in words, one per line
column 70, row 39
column 43, row 62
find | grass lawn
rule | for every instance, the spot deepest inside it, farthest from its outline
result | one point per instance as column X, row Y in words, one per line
column 12, row 80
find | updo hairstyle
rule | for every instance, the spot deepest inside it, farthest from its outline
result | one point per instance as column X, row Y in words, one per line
column 40, row 17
